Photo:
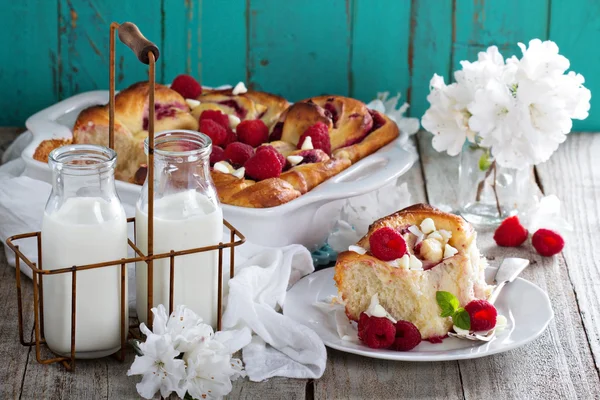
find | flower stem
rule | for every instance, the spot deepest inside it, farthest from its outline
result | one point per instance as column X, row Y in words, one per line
column 481, row 186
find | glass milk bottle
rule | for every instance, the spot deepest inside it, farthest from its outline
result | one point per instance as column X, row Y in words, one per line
column 84, row 223
column 187, row 214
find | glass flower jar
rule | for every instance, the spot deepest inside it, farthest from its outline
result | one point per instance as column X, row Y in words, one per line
column 187, row 214
column 488, row 192
column 84, row 223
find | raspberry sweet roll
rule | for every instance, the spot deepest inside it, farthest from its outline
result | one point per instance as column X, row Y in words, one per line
column 405, row 259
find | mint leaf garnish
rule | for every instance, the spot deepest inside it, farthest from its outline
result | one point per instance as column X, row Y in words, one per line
column 462, row 319
column 447, row 302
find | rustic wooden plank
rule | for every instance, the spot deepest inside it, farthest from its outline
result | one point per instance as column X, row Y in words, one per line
column 431, row 33
column 381, row 33
column 83, row 43
column 480, row 24
column 559, row 364
column 29, row 71
column 573, row 174
column 13, row 355
column 271, row 389
column 299, row 49
column 349, row 376
column 576, row 29
column 206, row 39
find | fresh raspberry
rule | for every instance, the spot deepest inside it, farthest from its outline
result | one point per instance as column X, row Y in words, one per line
column 510, row 233
column 407, row 336
column 379, row 333
column 276, row 132
column 214, row 131
column 482, row 314
column 218, row 154
column 363, row 324
column 186, row 86
column 231, row 137
column 253, row 132
column 238, row 153
column 547, row 243
column 387, row 244
column 263, row 165
column 216, row 116
column 280, row 156
column 319, row 133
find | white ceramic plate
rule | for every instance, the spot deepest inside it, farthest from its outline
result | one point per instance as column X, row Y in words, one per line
column 525, row 305
column 306, row 220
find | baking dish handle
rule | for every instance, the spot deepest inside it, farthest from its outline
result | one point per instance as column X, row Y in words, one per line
column 367, row 175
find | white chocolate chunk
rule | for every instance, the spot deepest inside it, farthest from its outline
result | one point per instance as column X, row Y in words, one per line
column 224, row 167
column 501, row 323
column 431, row 250
column 446, row 235
column 459, row 331
column 357, row 249
column 449, row 251
column 404, row 262
column 427, row 226
column 417, row 232
column 295, row 160
column 307, row 144
column 376, row 310
column 240, row 88
column 435, row 235
column 239, row 173
column 414, row 262
column 192, row 103
column 234, row 121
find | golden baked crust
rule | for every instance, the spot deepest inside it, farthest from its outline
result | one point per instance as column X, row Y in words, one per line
column 349, row 121
column 43, row 150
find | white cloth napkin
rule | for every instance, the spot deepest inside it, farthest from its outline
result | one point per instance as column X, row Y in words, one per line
column 281, row 347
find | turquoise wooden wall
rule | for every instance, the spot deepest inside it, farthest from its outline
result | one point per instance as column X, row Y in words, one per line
column 53, row 49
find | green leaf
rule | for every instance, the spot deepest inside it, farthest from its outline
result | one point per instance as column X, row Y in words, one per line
column 484, row 161
column 462, row 319
column 447, row 302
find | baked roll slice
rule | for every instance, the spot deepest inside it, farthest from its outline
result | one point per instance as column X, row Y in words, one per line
column 445, row 258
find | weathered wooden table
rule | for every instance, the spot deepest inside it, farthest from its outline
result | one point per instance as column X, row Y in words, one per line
column 562, row 364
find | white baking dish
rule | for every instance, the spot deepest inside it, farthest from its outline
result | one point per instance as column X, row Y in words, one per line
column 306, row 220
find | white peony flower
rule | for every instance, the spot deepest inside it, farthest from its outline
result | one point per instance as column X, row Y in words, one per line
column 210, row 370
column 447, row 117
column 389, row 107
column 159, row 368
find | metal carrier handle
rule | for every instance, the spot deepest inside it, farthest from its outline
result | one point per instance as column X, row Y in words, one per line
column 147, row 52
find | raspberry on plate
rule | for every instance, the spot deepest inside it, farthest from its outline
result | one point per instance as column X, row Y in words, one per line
column 319, row 133
column 378, row 333
column 363, row 323
column 387, row 244
column 280, row 156
column 238, row 153
column 253, row 132
column 407, row 336
column 510, row 233
column 263, row 165
column 218, row 154
column 547, row 243
column 482, row 315
column 186, row 86
column 214, row 131
column 216, row 116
